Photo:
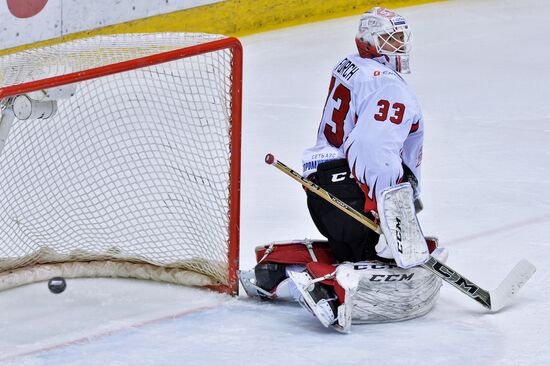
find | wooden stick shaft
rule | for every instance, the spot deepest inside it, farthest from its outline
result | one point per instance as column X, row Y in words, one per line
column 270, row 159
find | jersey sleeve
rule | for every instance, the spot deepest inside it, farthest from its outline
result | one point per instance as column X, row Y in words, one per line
column 373, row 148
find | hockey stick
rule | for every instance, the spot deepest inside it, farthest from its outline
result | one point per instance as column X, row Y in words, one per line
column 492, row 300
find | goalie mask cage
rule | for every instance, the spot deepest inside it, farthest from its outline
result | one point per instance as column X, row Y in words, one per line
column 137, row 174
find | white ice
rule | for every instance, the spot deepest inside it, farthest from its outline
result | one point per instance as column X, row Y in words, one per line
column 482, row 73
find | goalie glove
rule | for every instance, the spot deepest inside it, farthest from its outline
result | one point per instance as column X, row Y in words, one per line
column 400, row 226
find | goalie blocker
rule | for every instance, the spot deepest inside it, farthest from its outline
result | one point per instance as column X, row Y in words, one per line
column 344, row 294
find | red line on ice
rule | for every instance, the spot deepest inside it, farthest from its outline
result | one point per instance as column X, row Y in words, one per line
column 105, row 334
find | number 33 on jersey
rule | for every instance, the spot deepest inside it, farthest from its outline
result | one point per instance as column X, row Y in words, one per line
column 372, row 118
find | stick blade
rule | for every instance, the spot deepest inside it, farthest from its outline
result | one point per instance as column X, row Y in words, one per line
column 511, row 285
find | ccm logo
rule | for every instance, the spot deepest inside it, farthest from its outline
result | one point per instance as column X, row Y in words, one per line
column 398, row 235
column 391, row 277
column 339, row 177
column 373, row 266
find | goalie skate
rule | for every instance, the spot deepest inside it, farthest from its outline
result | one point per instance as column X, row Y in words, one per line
column 315, row 298
column 248, row 281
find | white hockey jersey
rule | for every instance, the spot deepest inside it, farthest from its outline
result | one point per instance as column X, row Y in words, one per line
column 372, row 118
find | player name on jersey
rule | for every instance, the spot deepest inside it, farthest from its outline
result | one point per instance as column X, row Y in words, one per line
column 346, row 69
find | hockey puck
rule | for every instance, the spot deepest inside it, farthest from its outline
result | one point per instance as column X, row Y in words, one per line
column 57, row 285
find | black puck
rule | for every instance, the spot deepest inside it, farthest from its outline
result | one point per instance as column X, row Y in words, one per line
column 57, row 285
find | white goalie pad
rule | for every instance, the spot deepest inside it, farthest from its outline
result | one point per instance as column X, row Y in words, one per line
column 386, row 293
column 400, row 226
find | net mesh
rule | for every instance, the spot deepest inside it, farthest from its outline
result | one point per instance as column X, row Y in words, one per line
column 134, row 167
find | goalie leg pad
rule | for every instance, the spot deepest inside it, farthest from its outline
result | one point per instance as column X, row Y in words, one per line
column 295, row 252
column 267, row 279
column 387, row 293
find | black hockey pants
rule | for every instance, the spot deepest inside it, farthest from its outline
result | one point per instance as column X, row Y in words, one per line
column 349, row 239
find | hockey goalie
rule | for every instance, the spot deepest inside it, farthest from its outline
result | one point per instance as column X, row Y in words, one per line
column 368, row 154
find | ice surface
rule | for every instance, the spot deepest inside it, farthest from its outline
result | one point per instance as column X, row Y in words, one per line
column 481, row 72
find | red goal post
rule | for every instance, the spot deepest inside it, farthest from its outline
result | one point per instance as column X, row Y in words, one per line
column 120, row 157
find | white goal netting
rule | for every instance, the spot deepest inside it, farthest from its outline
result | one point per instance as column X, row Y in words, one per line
column 135, row 167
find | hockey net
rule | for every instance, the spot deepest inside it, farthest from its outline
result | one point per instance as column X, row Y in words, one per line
column 136, row 174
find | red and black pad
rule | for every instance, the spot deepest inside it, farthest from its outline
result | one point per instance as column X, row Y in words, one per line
column 296, row 252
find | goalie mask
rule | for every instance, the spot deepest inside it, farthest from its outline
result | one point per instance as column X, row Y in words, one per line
column 385, row 36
